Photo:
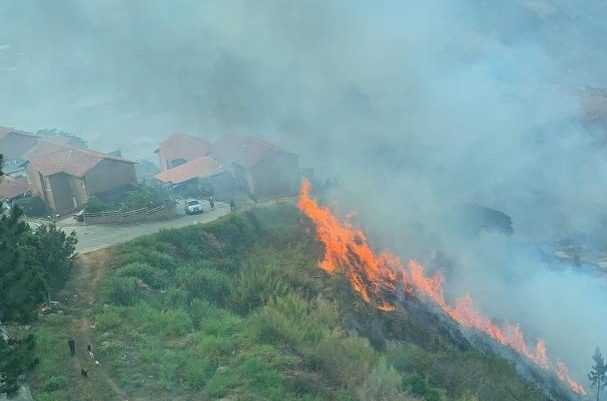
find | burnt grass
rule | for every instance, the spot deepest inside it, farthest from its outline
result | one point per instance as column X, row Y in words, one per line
column 238, row 309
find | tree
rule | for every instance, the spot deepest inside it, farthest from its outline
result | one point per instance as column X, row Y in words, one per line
column 17, row 358
column 51, row 250
column 32, row 264
column 21, row 289
column 598, row 374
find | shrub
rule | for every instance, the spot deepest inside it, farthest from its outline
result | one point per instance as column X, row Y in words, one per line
column 261, row 380
column 108, row 319
column 213, row 320
column 197, row 373
column 221, row 383
column 152, row 277
column 383, row 384
column 270, row 327
column 95, row 204
column 121, row 290
column 204, row 283
column 55, row 383
column 130, row 198
column 345, row 360
column 420, row 386
column 254, row 287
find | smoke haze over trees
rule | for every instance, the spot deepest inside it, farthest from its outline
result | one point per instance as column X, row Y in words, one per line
column 417, row 108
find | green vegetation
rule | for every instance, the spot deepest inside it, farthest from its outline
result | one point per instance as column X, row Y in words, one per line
column 137, row 197
column 238, row 310
column 598, row 374
column 69, row 138
column 32, row 266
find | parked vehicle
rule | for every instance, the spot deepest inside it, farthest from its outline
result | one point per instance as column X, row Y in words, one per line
column 79, row 216
column 193, row 206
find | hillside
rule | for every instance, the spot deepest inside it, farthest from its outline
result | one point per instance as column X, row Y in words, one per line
column 239, row 310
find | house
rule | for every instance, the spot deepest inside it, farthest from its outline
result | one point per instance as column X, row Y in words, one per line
column 13, row 189
column 64, row 176
column 146, row 170
column 236, row 161
column 14, row 145
column 179, row 149
column 261, row 168
column 191, row 173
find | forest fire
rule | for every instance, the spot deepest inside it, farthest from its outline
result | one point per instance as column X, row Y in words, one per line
column 377, row 277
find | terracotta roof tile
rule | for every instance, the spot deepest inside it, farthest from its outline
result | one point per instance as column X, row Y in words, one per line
column 244, row 150
column 12, row 189
column 203, row 166
column 4, row 131
column 180, row 146
column 51, row 157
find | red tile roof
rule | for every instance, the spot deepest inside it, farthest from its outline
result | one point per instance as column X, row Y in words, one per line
column 4, row 131
column 51, row 157
column 180, row 146
column 44, row 147
column 244, row 150
column 201, row 167
column 12, row 189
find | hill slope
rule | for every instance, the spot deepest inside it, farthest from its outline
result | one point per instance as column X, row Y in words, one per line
column 238, row 310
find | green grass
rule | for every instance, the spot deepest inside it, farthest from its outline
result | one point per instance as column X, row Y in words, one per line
column 238, row 310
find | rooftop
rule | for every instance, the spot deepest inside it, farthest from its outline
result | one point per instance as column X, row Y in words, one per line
column 181, row 146
column 12, row 189
column 203, row 166
column 52, row 157
column 244, row 150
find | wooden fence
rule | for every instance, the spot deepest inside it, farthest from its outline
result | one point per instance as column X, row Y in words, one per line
column 130, row 216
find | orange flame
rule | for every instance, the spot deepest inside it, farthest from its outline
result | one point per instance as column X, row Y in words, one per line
column 376, row 276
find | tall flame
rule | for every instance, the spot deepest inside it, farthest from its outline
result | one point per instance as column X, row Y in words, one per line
column 376, row 276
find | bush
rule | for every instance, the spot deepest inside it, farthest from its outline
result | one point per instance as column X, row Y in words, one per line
column 55, row 383
column 204, row 283
column 132, row 198
column 221, row 383
column 120, row 290
column 420, row 386
column 108, row 319
column 197, row 373
column 270, row 327
column 344, row 360
column 214, row 320
column 262, row 381
column 154, row 278
column 383, row 384
column 213, row 349
column 95, row 204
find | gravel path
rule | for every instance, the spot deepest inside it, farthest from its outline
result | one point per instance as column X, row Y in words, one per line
column 95, row 237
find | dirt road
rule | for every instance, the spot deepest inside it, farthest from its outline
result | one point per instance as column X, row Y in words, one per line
column 95, row 237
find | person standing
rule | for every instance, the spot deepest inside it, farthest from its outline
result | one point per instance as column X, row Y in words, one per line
column 232, row 205
column 89, row 348
column 212, row 202
column 71, row 343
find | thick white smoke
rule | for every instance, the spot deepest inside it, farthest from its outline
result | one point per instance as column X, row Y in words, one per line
column 416, row 108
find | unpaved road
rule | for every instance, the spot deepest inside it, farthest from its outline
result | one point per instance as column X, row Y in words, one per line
column 95, row 237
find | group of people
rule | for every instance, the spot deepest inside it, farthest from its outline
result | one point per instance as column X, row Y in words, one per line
column 71, row 343
column 212, row 204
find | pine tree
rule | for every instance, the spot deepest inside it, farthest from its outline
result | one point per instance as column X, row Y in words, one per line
column 31, row 266
column 598, row 374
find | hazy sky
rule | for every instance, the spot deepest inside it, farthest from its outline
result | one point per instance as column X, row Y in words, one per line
column 415, row 106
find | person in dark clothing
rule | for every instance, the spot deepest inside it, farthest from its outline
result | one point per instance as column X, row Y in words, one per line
column 232, row 205
column 212, row 202
column 90, row 351
column 71, row 343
